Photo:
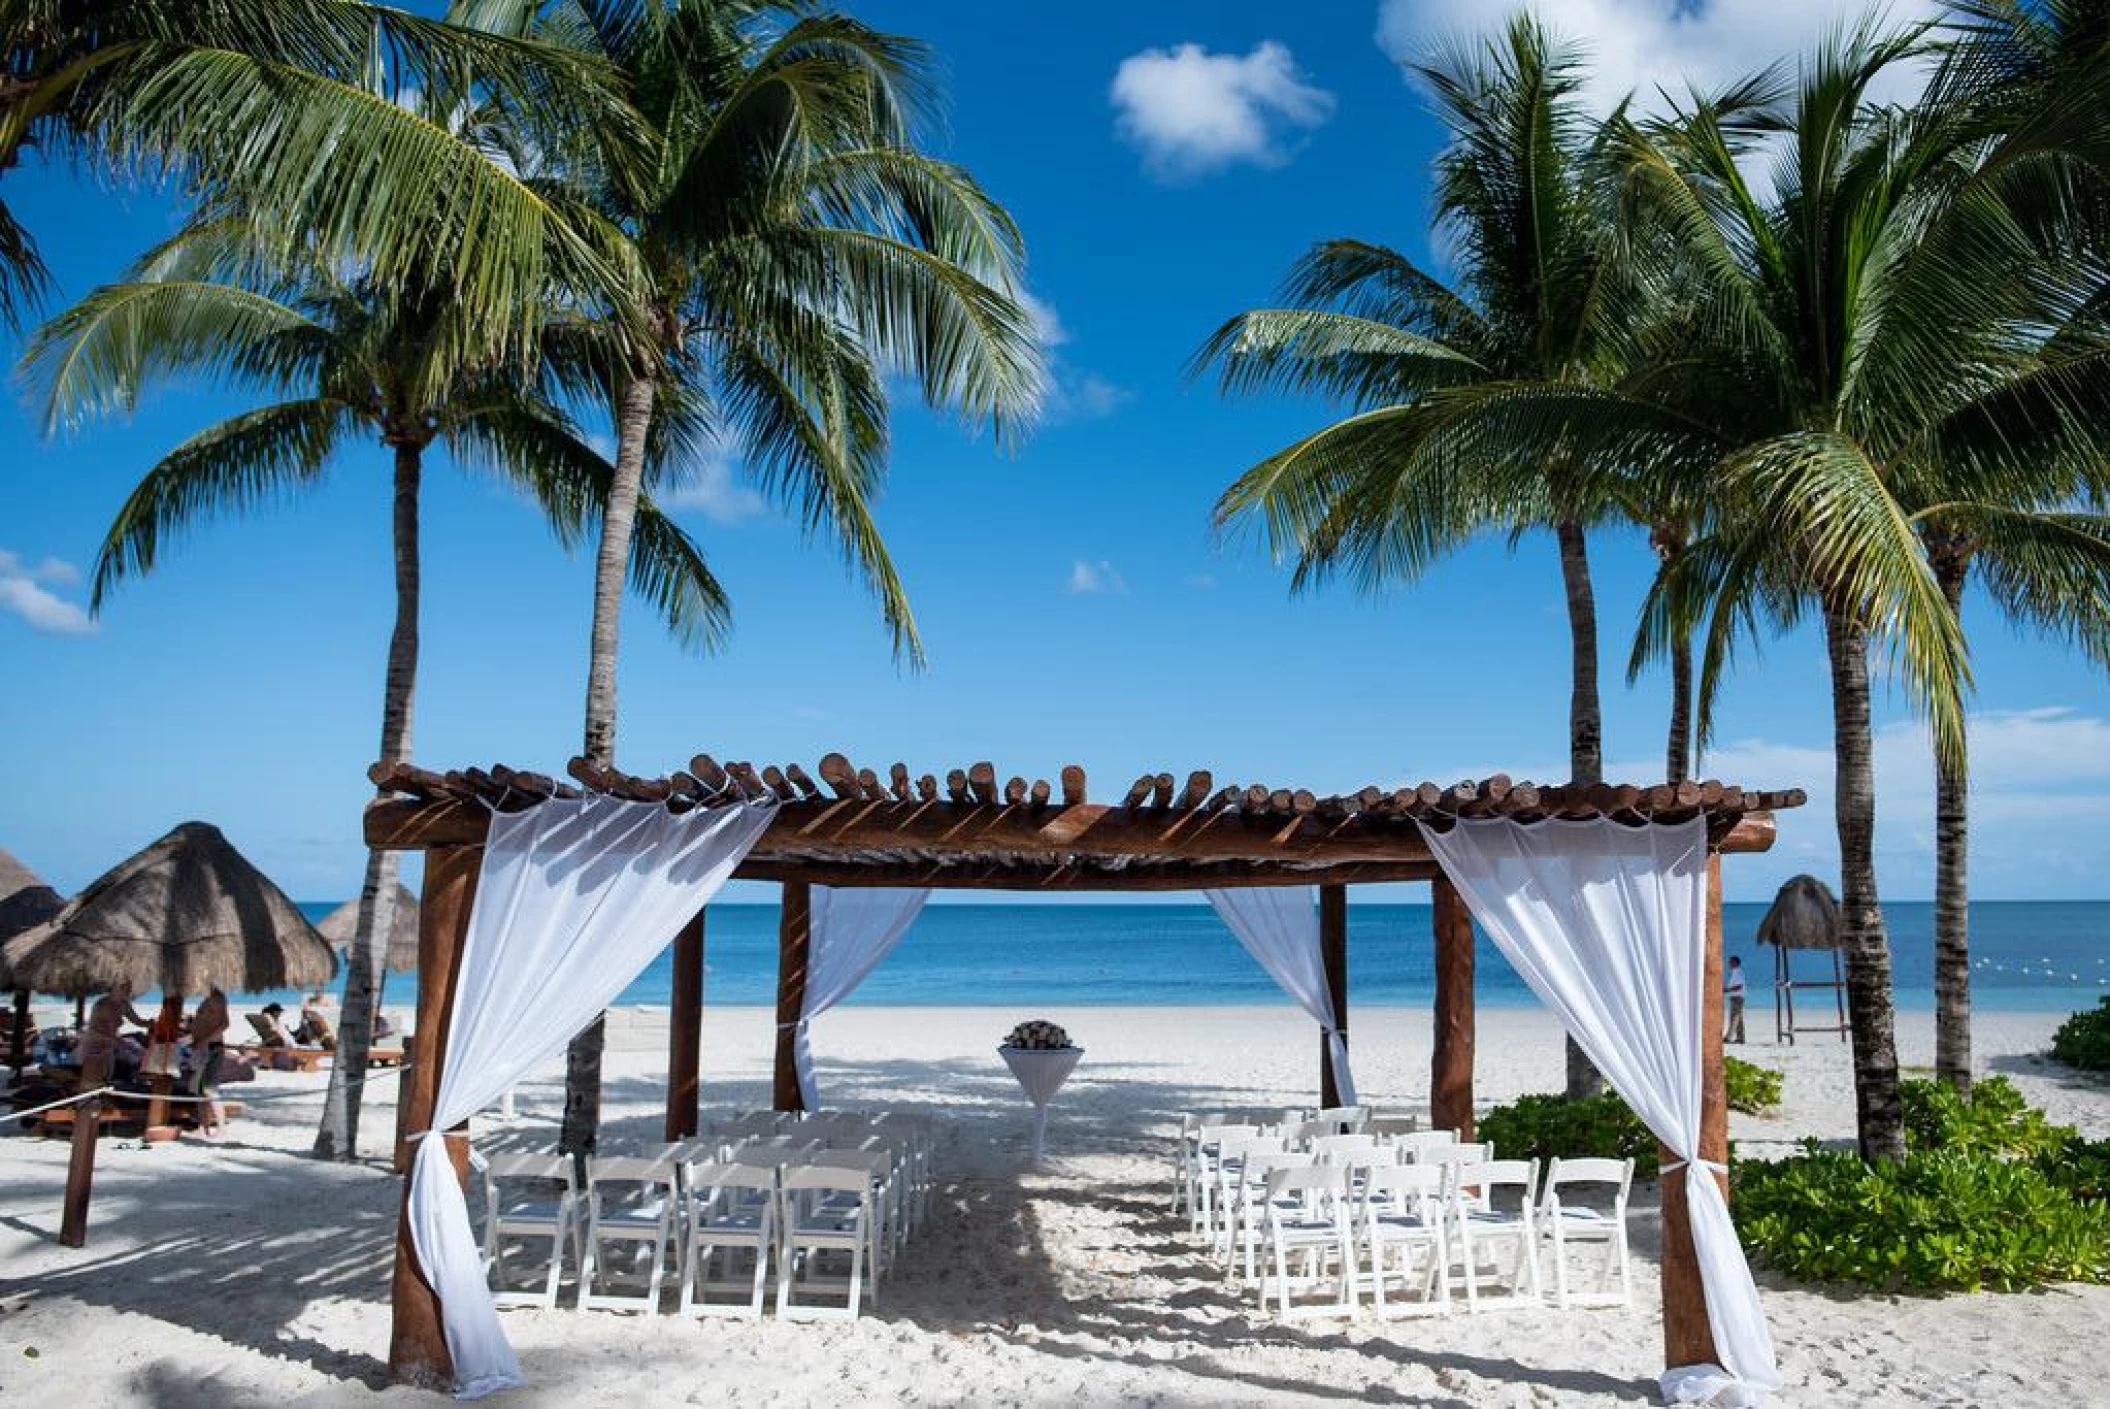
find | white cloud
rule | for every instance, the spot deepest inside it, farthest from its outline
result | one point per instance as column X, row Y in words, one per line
column 1073, row 394
column 1641, row 46
column 1192, row 111
column 2040, row 797
column 716, row 491
column 1094, row 578
column 25, row 590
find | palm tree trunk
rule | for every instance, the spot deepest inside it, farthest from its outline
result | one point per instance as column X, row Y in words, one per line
column 582, row 1060
column 1677, row 750
column 1870, row 1006
column 1585, row 723
column 1952, row 920
column 338, row 1136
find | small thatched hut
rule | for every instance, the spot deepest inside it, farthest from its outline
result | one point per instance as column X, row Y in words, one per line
column 24, row 901
column 186, row 914
column 1803, row 915
column 342, row 924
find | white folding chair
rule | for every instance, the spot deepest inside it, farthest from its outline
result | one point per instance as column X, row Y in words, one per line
column 631, row 1205
column 513, row 1213
column 1564, row 1219
column 1242, row 1215
column 1412, row 1140
column 1484, row 1222
column 1307, row 1215
column 1403, row 1208
column 1387, row 1128
column 1300, row 1134
column 731, row 1208
column 877, row 1165
column 1347, row 1149
column 1453, row 1155
column 1217, row 1165
column 823, row 1211
column 1344, row 1120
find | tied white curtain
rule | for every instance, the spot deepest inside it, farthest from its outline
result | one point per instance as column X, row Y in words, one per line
column 576, row 897
column 1279, row 927
column 852, row 930
column 1607, row 924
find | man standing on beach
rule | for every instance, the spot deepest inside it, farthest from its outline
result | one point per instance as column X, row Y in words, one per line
column 1734, row 987
column 208, row 1029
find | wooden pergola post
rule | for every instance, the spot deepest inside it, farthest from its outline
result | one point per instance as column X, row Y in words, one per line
column 1333, row 952
column 794, row 941
column 417, row 1344
column 1451, row 1063
column 1687, row 1338
column 685, row 1033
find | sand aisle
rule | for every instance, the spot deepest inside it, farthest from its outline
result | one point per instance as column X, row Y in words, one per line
column 242, row 1274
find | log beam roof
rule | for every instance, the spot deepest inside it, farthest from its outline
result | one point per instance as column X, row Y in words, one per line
column 976, row 830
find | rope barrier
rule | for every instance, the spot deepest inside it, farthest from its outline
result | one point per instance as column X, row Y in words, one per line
column 261, row 1098
column 68, row 1101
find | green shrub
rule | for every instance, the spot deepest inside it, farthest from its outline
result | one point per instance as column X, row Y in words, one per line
column 2080, row 1167
column 1943, row 1220
column 1544, row 1127
column 1753, row 1089
column 2083, row 1040
column 1995, row 1121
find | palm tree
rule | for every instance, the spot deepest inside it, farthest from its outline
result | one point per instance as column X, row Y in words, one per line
column 790, row 245
column 1880, row 352
column 1441, row 382
column 339, row 358
column 274, row 102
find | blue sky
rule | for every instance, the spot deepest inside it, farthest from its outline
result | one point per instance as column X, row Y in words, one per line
column 1167, row 162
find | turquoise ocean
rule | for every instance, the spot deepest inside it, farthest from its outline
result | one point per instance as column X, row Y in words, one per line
column 2032, row 955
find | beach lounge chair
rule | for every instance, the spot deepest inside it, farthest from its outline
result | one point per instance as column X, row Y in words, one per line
column 271, row 1046
column 631, row 1204
column 1564, row 1219
column 547, row 1208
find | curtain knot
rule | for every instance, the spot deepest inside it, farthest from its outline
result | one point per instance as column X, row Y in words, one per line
column 1677, row 1164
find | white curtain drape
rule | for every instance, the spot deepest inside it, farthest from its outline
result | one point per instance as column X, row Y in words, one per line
column 576, row 896
column 1279, row 927
column 853, row 929
column 1607, row 924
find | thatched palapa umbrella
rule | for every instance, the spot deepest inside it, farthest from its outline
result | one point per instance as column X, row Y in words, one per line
column 1804, row 915
column 186, row 914
column 342, row 924
column 24, row 901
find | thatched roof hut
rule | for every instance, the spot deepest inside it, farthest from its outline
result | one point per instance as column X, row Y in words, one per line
column 341, row 924
column 187, row 913
column 24, row 898
column 1803, row 916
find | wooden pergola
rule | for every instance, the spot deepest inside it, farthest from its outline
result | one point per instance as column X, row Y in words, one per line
column 970, row 832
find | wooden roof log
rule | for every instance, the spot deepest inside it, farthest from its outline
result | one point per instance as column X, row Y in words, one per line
column 1137, row 791
column 840, row 777
column 927, row 788
column 981, row 781
column 1040, row 793
column 868, row 781
column 707, row 772
column 1161, row 791
column 897, row 777
column 1072, row 785
column 779, row 783
column 1199, row 785
column 1014, row 791
column 801, row 780
column 956, row 784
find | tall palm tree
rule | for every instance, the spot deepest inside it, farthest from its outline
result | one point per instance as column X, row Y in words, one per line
column 791, row 244
column 1544, row 300
column 273, row 101
column 340, row 358
column 1880, row 351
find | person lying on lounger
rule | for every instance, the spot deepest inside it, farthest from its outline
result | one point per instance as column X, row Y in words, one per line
column 315, row 1026
column 270, row 1030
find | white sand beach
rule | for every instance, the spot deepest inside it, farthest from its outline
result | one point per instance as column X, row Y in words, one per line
column 243, row 1273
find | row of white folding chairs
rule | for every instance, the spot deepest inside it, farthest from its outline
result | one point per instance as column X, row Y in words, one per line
column 1205, row 1163
column 1239, row 1165
column 1342, row 1222
column 1198, row 1130
column 913, row 1135
column 786, row 1198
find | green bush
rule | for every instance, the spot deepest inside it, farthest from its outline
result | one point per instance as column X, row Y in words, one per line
column 1943, row 1220
column 2080, row 1167
column 1544, row 1127
column 2083, row 1040
column 1753, row 1089
column 1995, row 1121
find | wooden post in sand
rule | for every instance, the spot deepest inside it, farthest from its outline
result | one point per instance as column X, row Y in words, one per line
column 80, row 1168
column 18, row 1043
column 417, row 1345
column 1687, row 1338
column 794, row 941
column 685, row 1032
column 1333, row 954
column 1451, row 1065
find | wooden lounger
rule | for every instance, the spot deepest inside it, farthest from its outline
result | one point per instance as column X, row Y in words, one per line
column 306, row 1059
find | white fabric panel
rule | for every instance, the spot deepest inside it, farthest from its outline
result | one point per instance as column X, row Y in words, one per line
column 575, row 898
column 1607, row 924
column 853, row 929
column 1279, row 927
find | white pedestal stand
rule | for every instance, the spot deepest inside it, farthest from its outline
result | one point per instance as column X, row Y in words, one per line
column 1040, row 1075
